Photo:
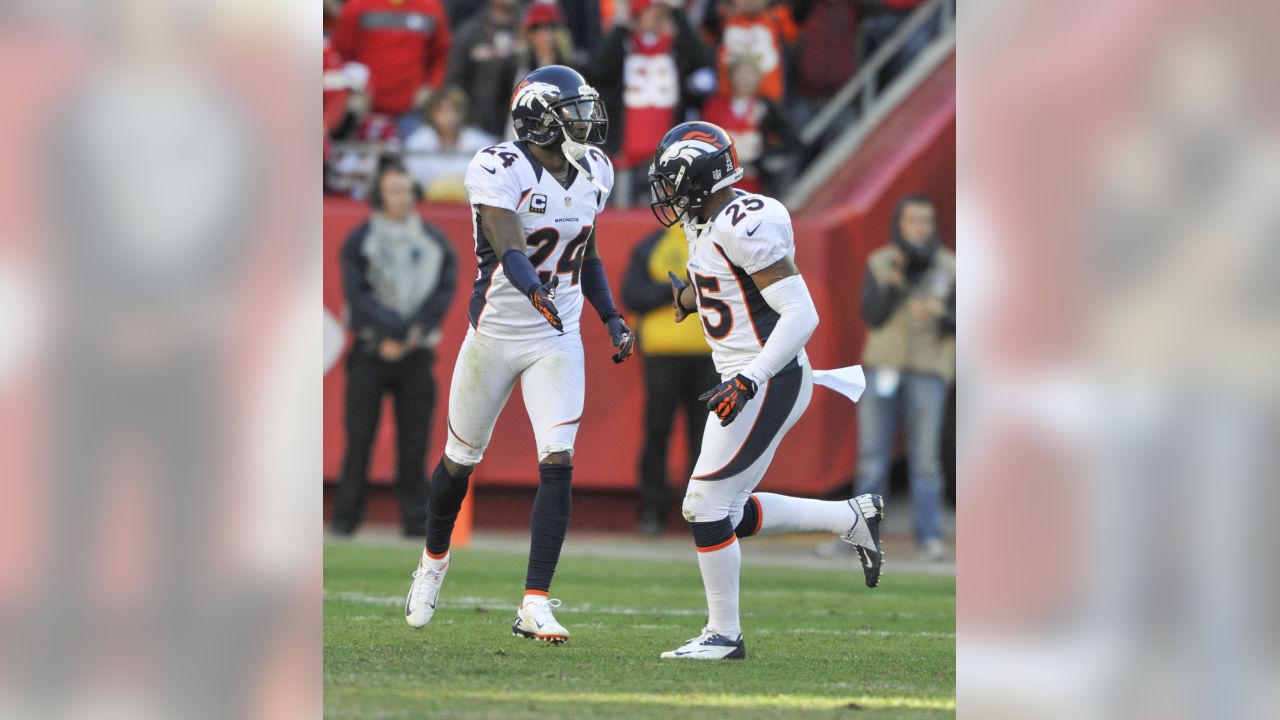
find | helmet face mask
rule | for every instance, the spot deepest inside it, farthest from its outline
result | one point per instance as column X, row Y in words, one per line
column 583, row 120
column 668, row 206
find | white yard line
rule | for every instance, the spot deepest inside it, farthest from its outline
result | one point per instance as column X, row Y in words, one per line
column 496, row 604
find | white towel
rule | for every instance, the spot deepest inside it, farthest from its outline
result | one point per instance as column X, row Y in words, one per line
column 848, row 381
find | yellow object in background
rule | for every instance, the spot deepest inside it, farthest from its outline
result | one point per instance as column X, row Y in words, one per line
column 659, row 332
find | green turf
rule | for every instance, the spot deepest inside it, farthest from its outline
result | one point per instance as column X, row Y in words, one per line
column 819, row 643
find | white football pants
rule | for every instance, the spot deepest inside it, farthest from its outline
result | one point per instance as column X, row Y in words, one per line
column 552, row 381
column 734, row 459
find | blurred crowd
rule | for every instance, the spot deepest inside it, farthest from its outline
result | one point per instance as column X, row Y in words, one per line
column 430, row 80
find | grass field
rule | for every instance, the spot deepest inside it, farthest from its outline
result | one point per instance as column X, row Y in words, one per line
column 819, row 643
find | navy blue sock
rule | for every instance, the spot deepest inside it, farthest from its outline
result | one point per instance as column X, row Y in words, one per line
column 549, row 524
column 444, row 500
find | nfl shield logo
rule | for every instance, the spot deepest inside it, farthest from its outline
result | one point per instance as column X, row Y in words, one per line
column 568, row 200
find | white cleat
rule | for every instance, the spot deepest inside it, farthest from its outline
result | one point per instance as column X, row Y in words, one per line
column 420, row 605
column 710, row 645
column 534, row 620
column 864, row 536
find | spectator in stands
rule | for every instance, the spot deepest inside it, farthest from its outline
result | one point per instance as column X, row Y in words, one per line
column 345, row 101
column 825, row 59
column 337, row 88
column 882, row 20
column 677, row 368
column 761, row 132
column 545, row 40
column 483, row 64
column 638, row 69
column 398, row 275
column 350, row 171
column 405, row 45
column 437, row 153
column 909, row 307
column 766, row 33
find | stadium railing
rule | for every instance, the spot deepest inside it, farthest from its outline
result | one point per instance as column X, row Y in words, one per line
column 873, row 103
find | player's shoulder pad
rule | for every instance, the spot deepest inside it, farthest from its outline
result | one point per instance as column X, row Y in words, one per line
column 496, row 176
column 748, row 210
column 775, row 210
column 504, row 156
column 601, row 164
column 755, row 231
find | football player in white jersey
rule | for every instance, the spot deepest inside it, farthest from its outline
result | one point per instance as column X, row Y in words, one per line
column 757, row 315
column 534, row 203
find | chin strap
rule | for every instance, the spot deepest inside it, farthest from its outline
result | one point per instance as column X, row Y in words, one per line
column 691, row 217
column 570, row 148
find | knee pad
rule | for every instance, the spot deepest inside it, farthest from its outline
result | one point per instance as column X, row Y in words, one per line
column 712, row 535
column 705, row 501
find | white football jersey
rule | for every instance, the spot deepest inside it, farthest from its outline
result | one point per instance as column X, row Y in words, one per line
column 746, row 236
column 557, row 223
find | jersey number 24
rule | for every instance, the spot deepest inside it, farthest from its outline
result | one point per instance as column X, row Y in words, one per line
column 544, row 241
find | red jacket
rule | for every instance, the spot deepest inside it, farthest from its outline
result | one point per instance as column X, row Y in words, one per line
column 335, row 90
column 651, row 92
column 404, row 43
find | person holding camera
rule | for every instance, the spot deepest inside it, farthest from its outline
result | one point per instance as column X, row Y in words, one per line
column 909, row 307
column 398, row 277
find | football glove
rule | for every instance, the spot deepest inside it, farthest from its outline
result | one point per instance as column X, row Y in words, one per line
column 622, row 337
column 677, row 287
column 728, row 398
column 542, row 296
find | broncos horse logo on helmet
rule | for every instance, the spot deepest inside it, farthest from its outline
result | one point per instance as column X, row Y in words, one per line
column 693, row 160
column 536, row 97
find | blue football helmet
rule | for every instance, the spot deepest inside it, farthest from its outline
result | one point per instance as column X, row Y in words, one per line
column 693, row 160
column 556, row 101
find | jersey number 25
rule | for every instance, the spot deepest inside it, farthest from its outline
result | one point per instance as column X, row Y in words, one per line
column 703, row 285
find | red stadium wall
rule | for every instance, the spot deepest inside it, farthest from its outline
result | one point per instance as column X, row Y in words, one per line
column 913, row 151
